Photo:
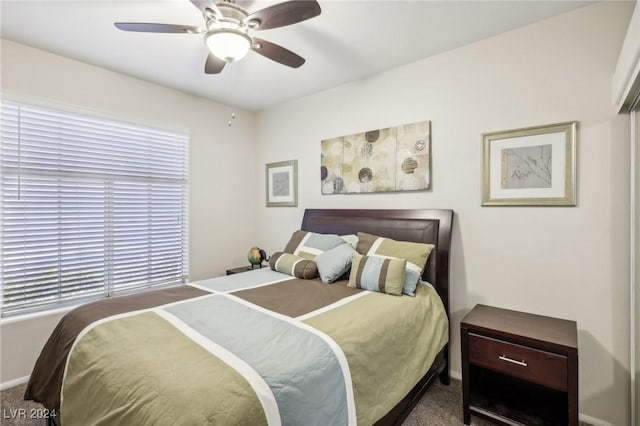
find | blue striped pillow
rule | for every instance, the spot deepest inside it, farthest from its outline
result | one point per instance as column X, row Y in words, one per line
column 376, row 273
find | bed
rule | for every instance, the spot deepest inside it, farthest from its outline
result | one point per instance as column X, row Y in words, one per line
column 261, row 347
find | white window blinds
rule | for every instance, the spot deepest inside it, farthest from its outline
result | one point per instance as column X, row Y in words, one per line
column 89, row 208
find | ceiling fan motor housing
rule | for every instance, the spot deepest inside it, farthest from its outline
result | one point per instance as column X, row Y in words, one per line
column 230, row 12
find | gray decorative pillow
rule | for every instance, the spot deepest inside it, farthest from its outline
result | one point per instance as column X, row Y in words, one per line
column 296, row 266
column 333, row 264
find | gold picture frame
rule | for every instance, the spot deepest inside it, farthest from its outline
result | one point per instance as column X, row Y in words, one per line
column 282, row 184
column 533, row 166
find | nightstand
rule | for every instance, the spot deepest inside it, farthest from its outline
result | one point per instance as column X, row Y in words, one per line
column 519, row 368
column 240, row 269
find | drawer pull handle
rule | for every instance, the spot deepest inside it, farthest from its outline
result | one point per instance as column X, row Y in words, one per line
column 513, row 361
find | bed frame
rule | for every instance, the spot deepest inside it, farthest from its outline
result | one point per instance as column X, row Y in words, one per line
column 421, row 226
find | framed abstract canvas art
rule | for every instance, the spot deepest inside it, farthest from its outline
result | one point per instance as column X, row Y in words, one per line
column 383, row 160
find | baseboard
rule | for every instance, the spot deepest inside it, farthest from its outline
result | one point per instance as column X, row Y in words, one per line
column 592, row 420
column 14, row 382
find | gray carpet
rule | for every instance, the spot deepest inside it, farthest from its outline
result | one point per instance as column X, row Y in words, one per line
column 15, row 411
column 441, row 405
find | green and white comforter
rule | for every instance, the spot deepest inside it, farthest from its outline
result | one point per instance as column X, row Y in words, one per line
column 253, row 348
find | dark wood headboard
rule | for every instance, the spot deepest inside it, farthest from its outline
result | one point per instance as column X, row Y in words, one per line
column 421, row 226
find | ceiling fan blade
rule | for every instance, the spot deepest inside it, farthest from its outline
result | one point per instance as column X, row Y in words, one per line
column 277, row 53
column 214, row 65
column 203, row 5
column 157, row 28
column 283, row 14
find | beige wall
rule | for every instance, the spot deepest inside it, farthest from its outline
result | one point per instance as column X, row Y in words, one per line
column 221, row 221
column 564, row 262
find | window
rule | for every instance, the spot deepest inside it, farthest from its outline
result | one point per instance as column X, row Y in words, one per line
column 89, row 208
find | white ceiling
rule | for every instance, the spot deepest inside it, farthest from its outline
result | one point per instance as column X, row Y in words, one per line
column 348, row 41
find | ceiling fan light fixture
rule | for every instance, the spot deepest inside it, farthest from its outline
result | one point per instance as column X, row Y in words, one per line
column 228, row 44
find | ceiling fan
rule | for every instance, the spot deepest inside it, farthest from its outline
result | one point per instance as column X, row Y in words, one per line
column 228, row 30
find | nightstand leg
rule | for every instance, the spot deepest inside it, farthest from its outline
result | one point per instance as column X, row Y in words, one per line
column 573, row 388
column 464, row 343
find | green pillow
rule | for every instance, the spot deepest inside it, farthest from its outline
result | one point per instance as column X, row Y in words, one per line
column 377, row 273
column 296, row 266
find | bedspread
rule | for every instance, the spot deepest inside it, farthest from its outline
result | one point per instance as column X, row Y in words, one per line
column 251, row 348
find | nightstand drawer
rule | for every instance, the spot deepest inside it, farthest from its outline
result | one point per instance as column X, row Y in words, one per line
column 530, row 364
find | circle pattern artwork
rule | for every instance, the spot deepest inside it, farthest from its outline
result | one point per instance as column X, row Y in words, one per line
column 365, row 175
column 409, row 165
column 372, row 135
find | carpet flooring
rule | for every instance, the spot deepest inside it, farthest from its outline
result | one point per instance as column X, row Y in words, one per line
column 440, row 406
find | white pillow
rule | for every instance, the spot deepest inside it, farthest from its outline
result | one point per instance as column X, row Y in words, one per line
column 351, row 239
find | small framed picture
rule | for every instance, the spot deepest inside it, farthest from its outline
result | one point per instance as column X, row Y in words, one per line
column 282, row 184
column 534, row 166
